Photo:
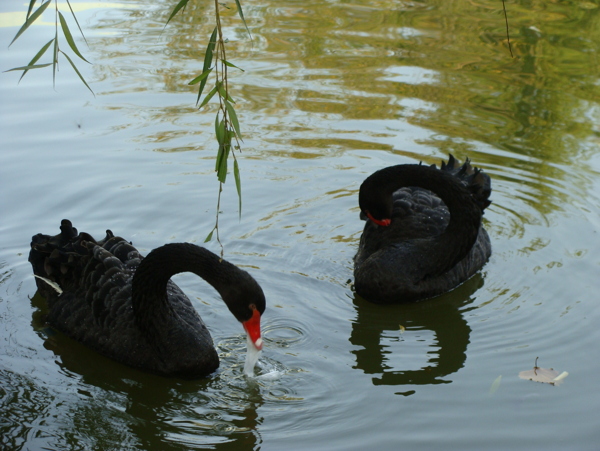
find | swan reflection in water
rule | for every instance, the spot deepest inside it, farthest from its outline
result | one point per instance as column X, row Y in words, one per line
column 387, row 358
column 423, row 236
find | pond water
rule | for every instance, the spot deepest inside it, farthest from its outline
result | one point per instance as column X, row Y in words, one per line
column 331, row 91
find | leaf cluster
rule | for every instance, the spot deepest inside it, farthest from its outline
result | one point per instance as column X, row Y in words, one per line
column 31, row 17
column 227, row 126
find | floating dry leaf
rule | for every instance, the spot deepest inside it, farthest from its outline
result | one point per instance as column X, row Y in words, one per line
column 544, row 375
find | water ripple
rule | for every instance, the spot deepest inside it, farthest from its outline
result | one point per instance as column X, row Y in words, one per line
column 284, row 333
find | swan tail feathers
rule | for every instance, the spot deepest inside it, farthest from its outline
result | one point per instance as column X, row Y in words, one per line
column 70, row 257
column 477, row 181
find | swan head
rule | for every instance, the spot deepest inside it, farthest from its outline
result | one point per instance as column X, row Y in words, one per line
column 245, row 299
column 247, row 305
column 252, row 328
column 382, row 222
column 375, row 203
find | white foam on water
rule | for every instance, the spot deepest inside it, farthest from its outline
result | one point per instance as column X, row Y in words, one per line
column 270, row 376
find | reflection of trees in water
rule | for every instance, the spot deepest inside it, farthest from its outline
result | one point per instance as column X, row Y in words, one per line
column 108, row 405
column 443, row 66
column 442, row 315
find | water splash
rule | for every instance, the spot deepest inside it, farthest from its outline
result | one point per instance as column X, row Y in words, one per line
column 270, row 376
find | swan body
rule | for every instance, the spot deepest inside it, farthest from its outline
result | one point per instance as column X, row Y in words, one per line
column 125, row 306
column 423, row 234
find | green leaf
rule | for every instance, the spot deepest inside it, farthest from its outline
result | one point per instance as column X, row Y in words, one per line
column 223, row 169
column 76, row 21
column 233, row 118
column 69, row 37
column 55, row 58
column 224, row 153
column 31, row 5
column 219, row 129
column 208, row 57
column 224, row 139
column 227, row 63
column 209, row 96
column 200, row 77
column 238, row 184
column 220, row 154
column 181, row 4
column 241, row 13
column 38, row 12
column 38, row 55
column 28, row 67
column 80, row 76
column 209, row 237
column 224, row 94
column 210, row 48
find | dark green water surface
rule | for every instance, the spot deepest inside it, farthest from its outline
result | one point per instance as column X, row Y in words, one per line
column 331, row 91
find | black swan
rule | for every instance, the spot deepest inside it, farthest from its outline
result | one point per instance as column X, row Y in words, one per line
column 423, row 234
column 125, row 307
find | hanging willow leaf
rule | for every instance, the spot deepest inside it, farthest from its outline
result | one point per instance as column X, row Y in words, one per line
column 200, row 77
column 227, row 63
column 507, row 31
column 233, row 118
column 208, row 57
column 238, row 184
column 181, row 4
column 28, row 67
column 76, row 21
column 31, row 5
column 69, row 37
column 224, row 140
column 224, row 94
column 224, row 155
column 78, row 73
column 241, row 13
column 210, row 48
column 220, row 155
column 209, row 96
column 37, row 56
column 219, row 130
column 209, row 237
column 38, row 12
column 55, row 58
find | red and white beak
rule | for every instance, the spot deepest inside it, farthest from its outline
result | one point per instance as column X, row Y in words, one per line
column 252, row 328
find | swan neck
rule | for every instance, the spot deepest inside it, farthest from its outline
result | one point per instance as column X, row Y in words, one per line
column 150, row 282
column 465, row 214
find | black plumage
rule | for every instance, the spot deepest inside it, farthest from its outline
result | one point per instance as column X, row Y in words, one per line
column 126, row 307
column 423, row 234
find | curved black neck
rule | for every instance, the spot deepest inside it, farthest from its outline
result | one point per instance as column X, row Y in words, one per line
column 456, row 241
column 149, row 285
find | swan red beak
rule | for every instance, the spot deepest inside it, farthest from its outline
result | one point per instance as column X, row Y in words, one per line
column 252, row 328
column 381, row 222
